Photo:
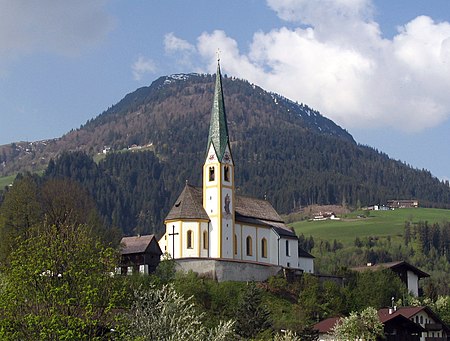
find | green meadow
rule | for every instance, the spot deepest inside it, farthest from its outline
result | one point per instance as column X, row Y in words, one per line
column 369, row 223
column 6, row 180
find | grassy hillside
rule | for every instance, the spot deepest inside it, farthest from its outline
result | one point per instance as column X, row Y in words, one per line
column 376, row 223
column 6, row 180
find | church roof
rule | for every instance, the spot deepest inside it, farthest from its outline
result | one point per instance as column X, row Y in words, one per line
column 188, row 205
column 136, row 244
column 218, row 129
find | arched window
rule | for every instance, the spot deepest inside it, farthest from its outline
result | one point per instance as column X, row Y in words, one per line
column 205, row 240
column 189, row 239
column 248, row 244
column 288, row 252
column 226, row 173
column 211, row 174
column 235, row 244
column 264, row 248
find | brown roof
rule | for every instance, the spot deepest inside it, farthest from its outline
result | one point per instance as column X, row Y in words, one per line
column 393, row 266
column 409, row 312
column 136, row 244
column 325, row 326
column 189, row 205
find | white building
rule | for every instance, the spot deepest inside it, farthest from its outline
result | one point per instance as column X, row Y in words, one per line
column 214, row 222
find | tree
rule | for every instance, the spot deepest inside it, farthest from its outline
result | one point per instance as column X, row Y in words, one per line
column 59, row 286
column 252, row 317
column 163, row 314
column 19, row 211
column 359, row 326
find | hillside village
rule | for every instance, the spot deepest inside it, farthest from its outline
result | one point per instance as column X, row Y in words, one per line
column 234, row 255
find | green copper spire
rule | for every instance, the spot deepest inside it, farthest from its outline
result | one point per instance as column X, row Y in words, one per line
column 218, row 130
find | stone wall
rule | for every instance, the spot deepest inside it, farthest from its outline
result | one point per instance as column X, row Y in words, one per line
column 228, row 270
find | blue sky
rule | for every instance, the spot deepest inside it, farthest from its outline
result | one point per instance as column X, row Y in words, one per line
column 380, row 69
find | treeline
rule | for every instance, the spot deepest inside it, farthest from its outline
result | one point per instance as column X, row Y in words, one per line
column 432, row 240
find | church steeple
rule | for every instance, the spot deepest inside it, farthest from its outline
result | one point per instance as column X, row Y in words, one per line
column 218, row 129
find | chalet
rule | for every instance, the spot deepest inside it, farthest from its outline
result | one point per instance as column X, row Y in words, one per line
column 400, row 324
column 139, row 254
column 402, row 203
column 409, row 274
column 433, row 328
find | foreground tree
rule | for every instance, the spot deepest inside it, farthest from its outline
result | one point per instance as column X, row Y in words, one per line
column 58, row 286
column 163, row 314
column 359, row 326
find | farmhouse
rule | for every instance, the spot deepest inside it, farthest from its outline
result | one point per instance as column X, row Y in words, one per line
column 214, row 223
column 409, row 274
column 402, row 203
column 404, row 323
column 139, row 254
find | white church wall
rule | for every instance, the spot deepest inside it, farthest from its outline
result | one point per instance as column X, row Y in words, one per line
column 273, row 248
column 238, row 233
column 190, row 246
column 173, row 227
column 288, row 252
column 204, row 248
column 263, row 232
column 249, row 231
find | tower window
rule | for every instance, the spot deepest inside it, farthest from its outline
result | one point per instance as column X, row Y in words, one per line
column 226, row 173
column 288, row 252
column 264, row 248
column 189, row 239
column 211, row 174
column 205, row 240
column 248, row 244
column 235, row 244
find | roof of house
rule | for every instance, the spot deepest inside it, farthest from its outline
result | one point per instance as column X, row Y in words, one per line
column 409, row 312
column 189, row 205
column 136, row 244
column 393, row 266
column 325, row 326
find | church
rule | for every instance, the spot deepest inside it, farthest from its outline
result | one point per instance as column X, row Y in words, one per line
column 213, row 222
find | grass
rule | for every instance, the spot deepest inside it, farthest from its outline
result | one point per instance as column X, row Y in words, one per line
column 6, row 180
column 377, row 223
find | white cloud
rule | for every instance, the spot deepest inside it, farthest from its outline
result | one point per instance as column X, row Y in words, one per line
column 175, row 44
column 65, row 27
column 337, row 61
column 141, row 67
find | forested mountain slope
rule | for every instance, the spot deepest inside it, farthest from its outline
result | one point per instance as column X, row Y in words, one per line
column 285, row 151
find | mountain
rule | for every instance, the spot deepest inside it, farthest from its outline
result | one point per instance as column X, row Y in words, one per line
column 283, row 150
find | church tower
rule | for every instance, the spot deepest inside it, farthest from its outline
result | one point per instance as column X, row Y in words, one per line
column 218, row 180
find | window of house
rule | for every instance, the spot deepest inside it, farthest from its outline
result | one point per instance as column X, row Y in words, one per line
column 205, row 240
column 264, row 248
column 226, row 173
column 248, row 244
column 288, row 251
column 421, row 319
column 235, row 244
column 211, row 174
column 189, row 239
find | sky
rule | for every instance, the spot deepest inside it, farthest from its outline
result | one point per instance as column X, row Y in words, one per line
column 378, row 68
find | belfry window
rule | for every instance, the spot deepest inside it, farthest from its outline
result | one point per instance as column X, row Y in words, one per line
column 226, row 173
column 189, row 239
column 288, row 252
column 211, row 174
column 248, row 244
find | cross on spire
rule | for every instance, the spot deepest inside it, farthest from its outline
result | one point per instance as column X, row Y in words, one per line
column 218, row 55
